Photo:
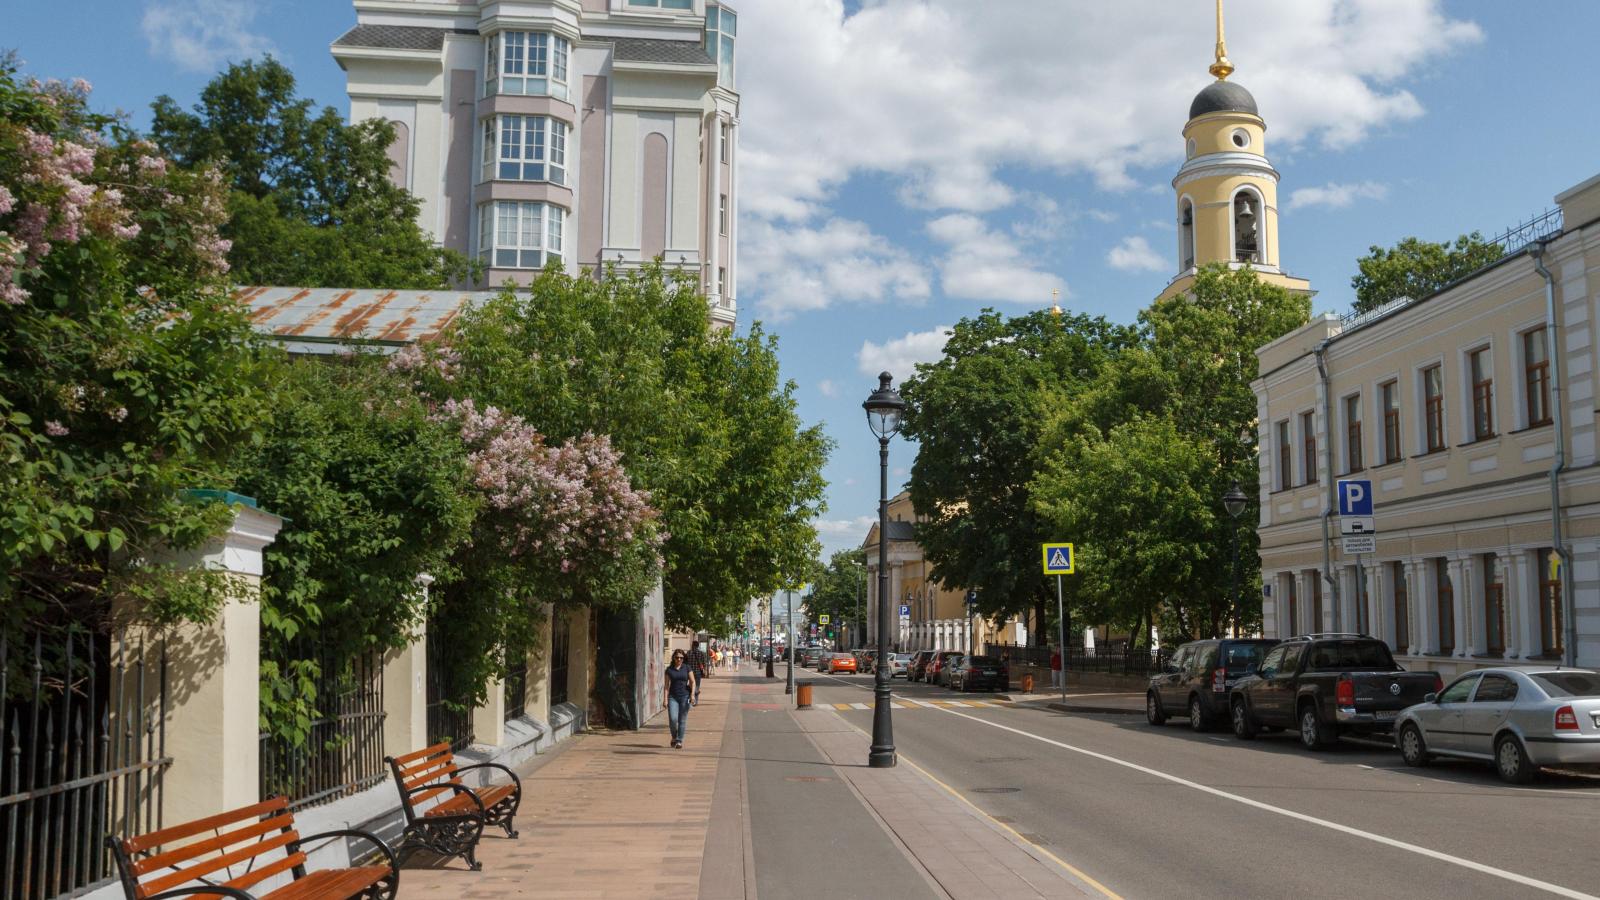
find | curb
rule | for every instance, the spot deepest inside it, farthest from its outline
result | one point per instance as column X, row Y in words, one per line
column 1084, row 708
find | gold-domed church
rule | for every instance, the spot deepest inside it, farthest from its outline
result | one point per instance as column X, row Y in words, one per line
column 1227, row 190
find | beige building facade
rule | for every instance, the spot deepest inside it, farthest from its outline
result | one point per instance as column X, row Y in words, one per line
column 1472, row 414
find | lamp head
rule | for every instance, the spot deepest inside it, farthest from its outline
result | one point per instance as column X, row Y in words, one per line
column 1234, row 500
column 885, row 409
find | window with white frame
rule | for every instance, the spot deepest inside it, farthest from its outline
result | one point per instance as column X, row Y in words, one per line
column 722, row 214
column 722, row 26
column 1480, row 369
column 516, row 235
column 723, row 129
column 526, row 62
column 1536, row 376
column 525, row 148
column 1352, row 434
column 663, row 4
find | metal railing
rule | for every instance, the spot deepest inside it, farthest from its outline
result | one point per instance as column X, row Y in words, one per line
column 1541, row 226
column 449, row 719
column 82, row 753
column 343, row 753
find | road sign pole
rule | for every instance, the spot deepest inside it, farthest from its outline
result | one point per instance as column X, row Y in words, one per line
column 1061, row 629
column 788, row 687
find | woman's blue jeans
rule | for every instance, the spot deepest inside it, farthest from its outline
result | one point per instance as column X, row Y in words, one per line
column 677, row 716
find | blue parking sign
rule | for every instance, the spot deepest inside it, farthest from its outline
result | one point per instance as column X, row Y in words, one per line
column 1355, row 497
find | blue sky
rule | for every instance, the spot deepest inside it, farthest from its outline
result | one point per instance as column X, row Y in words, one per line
column 907, row 162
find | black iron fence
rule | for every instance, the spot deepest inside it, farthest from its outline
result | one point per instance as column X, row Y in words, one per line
column 343, row 754
column 1111, row 659
column 449, row 718
column 517, row 686
column 82, row 754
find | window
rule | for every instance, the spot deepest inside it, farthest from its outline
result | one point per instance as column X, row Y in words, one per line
column 663, row 4
column 1494, row 607
column 1402, row 608
column 1291, row 659
column 1274, row 661
column 1550, row 612
column 1460, row 689
column 1536, row 376
column 1495, row 689
column 513, row 235
column 1308, row 440
column 722, row 25
column 1285, row 476
column 722, row 214
column 525, row 148
column 1482, row 371
column 724, row 136
column 1316, row 601
column 1433, row 408
column 722, row 280
column 1389, row 394
column 1352, row 433
column 1291, row 627
column 526, row 62
column 1567, row 684
column 1246, row 219
column 1445, row 598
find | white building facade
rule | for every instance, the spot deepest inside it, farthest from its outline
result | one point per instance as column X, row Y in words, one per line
column 585, row 132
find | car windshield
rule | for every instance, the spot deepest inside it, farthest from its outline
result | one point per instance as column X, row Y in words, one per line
column 1351, row 655
column 983, row 661
column 1568, row 684
column 1241, row 657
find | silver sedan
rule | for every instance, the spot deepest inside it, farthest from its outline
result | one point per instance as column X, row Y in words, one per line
column 1518, row 718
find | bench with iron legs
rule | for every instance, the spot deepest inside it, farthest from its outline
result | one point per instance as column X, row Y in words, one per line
column 453, row 824
column 182, row 861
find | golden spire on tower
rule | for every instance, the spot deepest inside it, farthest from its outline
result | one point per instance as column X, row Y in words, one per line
column 1055, row 303
column 1221, row 68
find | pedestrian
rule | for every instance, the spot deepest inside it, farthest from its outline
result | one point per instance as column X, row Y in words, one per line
column 696, row 660
column 680, row 686
column 1055, row 668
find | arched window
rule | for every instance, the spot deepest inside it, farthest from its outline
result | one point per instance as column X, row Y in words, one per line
column 1248, row 242
column 1186, row 235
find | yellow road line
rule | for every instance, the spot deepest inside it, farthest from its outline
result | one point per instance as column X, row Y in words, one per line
column 841, row 706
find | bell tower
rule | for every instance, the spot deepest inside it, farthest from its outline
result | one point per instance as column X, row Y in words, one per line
column 1227, row 190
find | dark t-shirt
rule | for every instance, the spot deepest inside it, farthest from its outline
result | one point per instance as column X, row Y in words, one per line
column 696, row 660
column 678, row 682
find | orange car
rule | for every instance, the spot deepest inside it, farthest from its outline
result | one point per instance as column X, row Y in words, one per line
column 842, row 662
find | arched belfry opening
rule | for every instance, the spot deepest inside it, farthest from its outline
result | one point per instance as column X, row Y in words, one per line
column 1186, row 235
column 1248, row 235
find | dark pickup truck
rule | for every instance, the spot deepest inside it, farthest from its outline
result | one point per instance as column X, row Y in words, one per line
column 1326, row 685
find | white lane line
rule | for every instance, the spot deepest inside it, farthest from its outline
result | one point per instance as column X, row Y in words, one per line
column 864, row 706
column 1513, row 877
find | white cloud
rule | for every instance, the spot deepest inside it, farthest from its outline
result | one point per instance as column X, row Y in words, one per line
column 1134, row 255
column 845, row 528
column 795, row 268
column 899, row 356
column 979, row 263
column 1337, row 196
column 828, row 388
column 202, row 35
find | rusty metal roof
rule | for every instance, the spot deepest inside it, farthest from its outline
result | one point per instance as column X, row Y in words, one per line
column 302, row 317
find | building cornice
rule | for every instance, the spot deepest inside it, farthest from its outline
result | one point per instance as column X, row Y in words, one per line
column 1229, row 163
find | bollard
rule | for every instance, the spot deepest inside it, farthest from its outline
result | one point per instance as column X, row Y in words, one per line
column 802, row 695
column 1027, row 683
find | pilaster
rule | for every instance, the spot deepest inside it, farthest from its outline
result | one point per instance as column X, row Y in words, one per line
column 1465, row 587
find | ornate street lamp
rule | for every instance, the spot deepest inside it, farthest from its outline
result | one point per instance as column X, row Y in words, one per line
column 884, row 412
column 1233, row 501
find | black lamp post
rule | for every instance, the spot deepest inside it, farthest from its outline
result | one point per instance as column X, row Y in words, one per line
column 772, row 643
column 1233, row 501
column 884, row 411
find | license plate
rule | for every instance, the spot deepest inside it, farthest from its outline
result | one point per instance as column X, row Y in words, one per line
column 1387, row 715
column 990, row 672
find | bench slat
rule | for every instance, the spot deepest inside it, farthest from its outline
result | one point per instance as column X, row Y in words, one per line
column 256, row 876
column 207, row 866
column 331, row 884
column 440, row 747
column 190, row 851
column 447, row 774
column 435, row 762
column 144, row 842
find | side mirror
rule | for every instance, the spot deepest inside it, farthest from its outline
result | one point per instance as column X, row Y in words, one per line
column 1430, row 697
column 1250, row 669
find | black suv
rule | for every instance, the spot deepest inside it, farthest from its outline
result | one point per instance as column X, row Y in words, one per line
column 1198, row 678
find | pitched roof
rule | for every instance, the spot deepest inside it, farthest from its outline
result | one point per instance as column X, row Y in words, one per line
column 396, row 37
column 688, row 53
column 340, row 314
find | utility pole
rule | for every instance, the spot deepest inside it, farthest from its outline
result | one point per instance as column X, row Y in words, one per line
column 788, row 596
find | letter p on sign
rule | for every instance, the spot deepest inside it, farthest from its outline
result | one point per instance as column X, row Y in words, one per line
column 1355, row 497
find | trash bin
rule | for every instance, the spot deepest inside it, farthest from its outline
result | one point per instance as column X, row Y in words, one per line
column 1027, row 683
column 802, row 694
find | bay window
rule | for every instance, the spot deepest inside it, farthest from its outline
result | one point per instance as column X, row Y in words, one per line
column 722, row 27
column 516, row 235
column 526, row 62
column 525, row 148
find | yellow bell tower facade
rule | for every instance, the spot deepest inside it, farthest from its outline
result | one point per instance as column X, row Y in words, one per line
column 1227, row 190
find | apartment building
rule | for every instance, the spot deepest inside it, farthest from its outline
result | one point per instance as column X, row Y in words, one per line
column 1472, row 413
column 585, row 132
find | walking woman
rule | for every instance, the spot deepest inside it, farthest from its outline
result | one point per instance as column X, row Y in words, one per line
column 680, row 692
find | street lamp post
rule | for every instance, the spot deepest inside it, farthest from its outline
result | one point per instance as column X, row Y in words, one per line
column 1233, row 501
column 884, row 411
column 772, row 643
column 788, row 650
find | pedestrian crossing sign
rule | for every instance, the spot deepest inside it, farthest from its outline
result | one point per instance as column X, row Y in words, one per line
column 1058, row 559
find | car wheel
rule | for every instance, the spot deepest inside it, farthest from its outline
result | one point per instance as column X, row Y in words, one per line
column 1197, row 716
column 1511, row 761
column 1313, row 734
column 1244, row 728
column 1153, row 713
column 1412, row 748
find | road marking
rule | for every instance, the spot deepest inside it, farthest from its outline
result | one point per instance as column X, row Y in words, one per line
column 864, row 706
column 841, row 706
column 1312, row 820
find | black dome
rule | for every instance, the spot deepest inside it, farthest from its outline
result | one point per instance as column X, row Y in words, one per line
column 1222, row 96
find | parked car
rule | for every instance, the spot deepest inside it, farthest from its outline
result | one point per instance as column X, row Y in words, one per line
column 939, row 667
column 978, row 673
column 1326, row 685
column 809, row 656
column 919, row 664
column 836, row 663
column 866, row 660
column 1518, row 718
column 1198, row 678
column 900, row 665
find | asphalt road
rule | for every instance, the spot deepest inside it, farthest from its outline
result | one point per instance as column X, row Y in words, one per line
column 1160, row 812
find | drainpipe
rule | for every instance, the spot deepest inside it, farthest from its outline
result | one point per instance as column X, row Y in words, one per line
column 1553, row 324
column 1329, row 505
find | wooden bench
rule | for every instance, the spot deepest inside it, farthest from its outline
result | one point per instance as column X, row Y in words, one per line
column 453, row 824
column 262, row 839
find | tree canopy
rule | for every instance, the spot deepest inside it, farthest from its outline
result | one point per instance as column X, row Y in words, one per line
column 1416, row 268
column 838, row 589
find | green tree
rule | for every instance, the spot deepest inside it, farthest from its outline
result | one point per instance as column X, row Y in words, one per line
column 127, row 373
column 1416, row 268
column 977, row 414
column 310, row 202
column 839, row 589
column 701, row 417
